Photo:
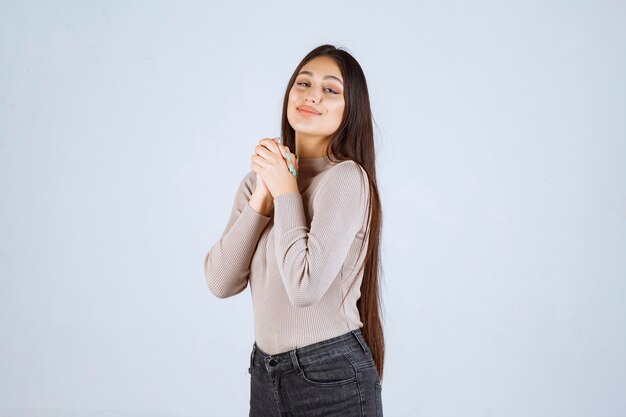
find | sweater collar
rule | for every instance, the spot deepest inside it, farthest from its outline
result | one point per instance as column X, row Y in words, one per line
column 316, row 164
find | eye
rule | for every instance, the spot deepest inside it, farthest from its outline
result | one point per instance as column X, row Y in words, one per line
column 304, row 83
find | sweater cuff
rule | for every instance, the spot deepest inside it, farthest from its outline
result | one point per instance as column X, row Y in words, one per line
column 289, row 211
column 252, row 220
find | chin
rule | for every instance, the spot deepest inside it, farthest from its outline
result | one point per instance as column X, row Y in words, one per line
column 309, row 130
column 303, row 126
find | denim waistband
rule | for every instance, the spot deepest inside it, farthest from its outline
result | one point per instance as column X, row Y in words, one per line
column 281, row 361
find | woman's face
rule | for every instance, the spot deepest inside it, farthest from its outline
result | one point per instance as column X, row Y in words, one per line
column 318, row 86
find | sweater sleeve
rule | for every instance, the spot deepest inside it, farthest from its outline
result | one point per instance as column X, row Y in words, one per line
column 227, row 263
column 309, row 258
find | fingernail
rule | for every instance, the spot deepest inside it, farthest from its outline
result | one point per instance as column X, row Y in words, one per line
column 288, row 157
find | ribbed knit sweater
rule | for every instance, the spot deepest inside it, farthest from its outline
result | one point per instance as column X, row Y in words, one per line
column 301, row 259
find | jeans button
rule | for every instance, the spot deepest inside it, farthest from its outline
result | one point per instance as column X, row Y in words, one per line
column 273, row 362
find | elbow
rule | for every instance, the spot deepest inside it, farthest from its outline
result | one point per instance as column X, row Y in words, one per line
column 303, row 291
column 216, row 290
column 221, row 291
column 221, row 287
column 212, row 282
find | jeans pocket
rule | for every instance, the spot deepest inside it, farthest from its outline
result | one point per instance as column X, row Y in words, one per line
column 331, row 371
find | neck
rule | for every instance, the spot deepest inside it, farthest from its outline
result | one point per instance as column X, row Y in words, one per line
column 311, row 146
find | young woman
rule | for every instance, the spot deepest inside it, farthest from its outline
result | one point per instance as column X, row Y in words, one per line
column 304, row 232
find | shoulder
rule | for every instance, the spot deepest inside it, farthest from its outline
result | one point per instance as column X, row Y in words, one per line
column 249, row 178
column 346, row 177
column 348, row 171
column 248, row 183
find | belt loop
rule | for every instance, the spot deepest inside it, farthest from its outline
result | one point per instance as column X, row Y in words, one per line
column 252, row 357
column 358, row 337
column 294, row 361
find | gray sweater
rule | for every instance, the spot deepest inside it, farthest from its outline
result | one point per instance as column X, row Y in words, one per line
column 301, row 259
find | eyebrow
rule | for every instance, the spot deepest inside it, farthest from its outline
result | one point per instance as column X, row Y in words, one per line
column 328, row 76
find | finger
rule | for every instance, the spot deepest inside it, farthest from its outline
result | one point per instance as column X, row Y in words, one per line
column 291, row 163
column 286, row 154
column 284, row 149
column 262, row 151
column 277, row 141
column 260, row 161
column 270, row 144
column 287, row 159
column 291, row 155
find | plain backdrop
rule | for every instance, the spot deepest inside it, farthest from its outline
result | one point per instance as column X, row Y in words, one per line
column 126, row 128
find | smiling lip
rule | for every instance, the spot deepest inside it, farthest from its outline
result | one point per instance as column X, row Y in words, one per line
column 305, row 112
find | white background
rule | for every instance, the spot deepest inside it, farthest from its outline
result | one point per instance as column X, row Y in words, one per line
column 126, row 128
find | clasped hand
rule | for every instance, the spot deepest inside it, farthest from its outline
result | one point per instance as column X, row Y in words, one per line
column 276, row 167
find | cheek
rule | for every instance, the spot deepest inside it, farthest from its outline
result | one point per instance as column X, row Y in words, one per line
column 293, row 94
column 293, row 99
column 337, row 111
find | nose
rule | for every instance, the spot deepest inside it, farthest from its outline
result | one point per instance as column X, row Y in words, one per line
column 311, row 99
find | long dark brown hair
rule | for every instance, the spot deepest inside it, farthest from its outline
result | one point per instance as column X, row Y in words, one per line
column 354, row 140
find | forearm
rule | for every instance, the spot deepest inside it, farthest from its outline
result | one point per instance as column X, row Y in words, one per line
column 227, row 264
column 310, row 254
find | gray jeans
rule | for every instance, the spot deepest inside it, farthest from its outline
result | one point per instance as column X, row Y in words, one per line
column 334, row 377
